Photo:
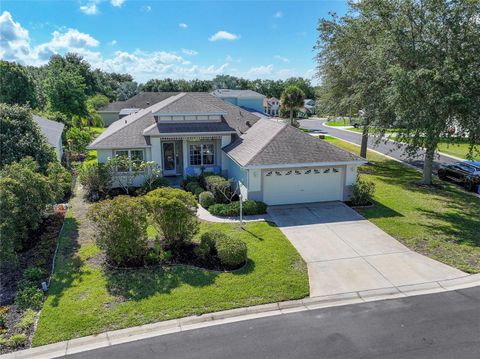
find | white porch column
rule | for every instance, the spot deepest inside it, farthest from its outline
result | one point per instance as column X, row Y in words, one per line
column 186, row 163
column 224, row 163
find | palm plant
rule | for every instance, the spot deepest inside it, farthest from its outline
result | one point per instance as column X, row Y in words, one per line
column 292, row 98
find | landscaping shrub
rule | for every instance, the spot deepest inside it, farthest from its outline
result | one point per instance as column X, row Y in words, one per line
column 29, row 297
column 33, row 274
column 79, row 138
column 3, row 318
column 3, row 341
column 16, row 340
column 174, row 214
column 96, row 180
column 203, row 176
column 189, row 179
column 233, row 209
column 220, row 187
column 157, row 254
column 363, row 192
column 206, row 250
column 60, row 180
column 195, row 188
column 121, row 229
column 206, row 199
column 27, row 319
column 232, row 252
column 153, row 183
column 24, row 195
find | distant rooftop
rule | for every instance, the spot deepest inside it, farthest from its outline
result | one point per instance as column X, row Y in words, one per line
column 52, row 130
column 236, row 93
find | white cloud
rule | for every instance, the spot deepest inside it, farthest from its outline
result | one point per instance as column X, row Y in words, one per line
column 260, row 71
column 89, row 8
column 14, row 39
column 113, row 42
column 281, row 58
column 223, row 35
column 183, row 25
column 278, row 14
column 117, row 3
column 190, row 52
column 146, row 8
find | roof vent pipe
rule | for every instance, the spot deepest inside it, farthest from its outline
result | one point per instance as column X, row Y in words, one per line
column 125, row 120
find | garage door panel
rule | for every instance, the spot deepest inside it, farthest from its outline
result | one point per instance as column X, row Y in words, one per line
column 302, row 186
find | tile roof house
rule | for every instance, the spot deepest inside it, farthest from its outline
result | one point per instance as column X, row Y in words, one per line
column 52, row 131
column 188, row 133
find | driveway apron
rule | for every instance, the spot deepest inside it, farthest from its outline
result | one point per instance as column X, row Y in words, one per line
column 345, row 252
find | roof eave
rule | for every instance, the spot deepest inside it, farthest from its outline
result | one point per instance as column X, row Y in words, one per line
column 308, row 164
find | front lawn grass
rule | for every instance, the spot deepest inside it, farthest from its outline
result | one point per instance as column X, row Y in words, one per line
column 442, row 222
column 336, row 123
column 458, row 150
column 85, row 299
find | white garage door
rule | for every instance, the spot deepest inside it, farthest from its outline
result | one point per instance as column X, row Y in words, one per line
column 289, row 186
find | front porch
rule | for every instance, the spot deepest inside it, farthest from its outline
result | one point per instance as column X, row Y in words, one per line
column 189, row 155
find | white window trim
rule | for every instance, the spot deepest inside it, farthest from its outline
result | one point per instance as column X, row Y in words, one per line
column 201, row 144
column 129, row 151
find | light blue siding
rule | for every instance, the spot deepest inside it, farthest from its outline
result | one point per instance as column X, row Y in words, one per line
column 251, row 103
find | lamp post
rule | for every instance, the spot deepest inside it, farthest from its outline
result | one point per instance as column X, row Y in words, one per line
column 241, row 209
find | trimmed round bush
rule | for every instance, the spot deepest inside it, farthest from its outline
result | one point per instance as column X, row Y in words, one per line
column 206, row 249
column 192, row 185
column 232, row 252
column 206, row 199
column 29, row 297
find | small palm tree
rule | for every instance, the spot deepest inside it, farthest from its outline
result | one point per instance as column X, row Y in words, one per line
column 292, row 98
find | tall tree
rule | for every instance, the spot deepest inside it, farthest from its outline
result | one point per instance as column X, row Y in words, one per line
column 292, row 98
column 21, row 137
column 65, row 88
column 16, row 84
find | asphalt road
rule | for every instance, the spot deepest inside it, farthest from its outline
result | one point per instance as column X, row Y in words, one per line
column 443, row 325
column 390, row 148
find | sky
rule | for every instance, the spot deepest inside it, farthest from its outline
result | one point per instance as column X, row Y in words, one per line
column 178, row 39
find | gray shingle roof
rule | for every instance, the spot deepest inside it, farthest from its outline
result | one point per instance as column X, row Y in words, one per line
column 236, row 93
column 128, row 131
column 275, row 143
column 140, row 100
column 52, row 130
column 187, row 104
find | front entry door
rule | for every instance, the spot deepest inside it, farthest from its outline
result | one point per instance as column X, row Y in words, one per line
column 169, row 162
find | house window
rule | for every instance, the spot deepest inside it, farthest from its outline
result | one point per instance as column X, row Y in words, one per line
column 202, row 154
column 137, row 157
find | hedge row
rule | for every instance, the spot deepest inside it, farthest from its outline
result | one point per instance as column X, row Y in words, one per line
column 233, row 209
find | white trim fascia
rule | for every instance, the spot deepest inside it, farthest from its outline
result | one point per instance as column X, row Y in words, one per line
column 311, row 164
column 119, row 147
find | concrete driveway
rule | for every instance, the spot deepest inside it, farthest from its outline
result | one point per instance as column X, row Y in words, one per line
column 347, row 253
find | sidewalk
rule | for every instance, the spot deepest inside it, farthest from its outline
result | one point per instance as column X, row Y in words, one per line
column 235, row 315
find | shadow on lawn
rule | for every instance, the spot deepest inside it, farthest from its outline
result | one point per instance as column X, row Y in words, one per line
column 68, row 264
column 459, row 222
column 137, row 284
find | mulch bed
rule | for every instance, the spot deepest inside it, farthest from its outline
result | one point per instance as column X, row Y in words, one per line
column 40, row 255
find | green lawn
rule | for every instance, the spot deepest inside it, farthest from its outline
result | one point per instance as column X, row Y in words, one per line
column 458, row 150
column 441, row 222
column 85, row 299
column 345, row 122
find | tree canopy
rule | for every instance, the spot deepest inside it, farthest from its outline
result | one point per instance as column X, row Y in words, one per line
column 410, row 64
column 21, row 137
column 16, row 85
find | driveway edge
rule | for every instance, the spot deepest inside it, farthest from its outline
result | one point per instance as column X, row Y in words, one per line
column 236, row 315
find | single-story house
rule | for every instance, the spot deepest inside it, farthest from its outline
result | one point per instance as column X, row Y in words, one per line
column 115, row 110
column 250, row 100
column 52, row 130
column 269, row 161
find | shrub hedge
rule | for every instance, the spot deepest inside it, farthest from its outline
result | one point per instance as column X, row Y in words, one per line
column 220, row 187
column 233, row 209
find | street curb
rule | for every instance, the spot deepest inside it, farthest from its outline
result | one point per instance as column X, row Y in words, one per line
column 236, row 315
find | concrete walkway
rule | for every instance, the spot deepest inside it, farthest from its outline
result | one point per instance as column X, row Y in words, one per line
column 205, row 215
column 347, row 253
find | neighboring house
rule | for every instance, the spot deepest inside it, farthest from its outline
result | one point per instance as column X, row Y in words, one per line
column 118, row 109
column 52, row 131
column 249, row 100
column 271, row 106
column 269, row 161
column 308, row 108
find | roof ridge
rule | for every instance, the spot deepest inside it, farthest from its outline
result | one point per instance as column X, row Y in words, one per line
column 284, row 126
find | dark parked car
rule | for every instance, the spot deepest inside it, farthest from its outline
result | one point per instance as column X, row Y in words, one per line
column 467, row 173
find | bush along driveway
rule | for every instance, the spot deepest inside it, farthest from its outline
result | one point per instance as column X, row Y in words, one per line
column 440, row 221
column 87, row 298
